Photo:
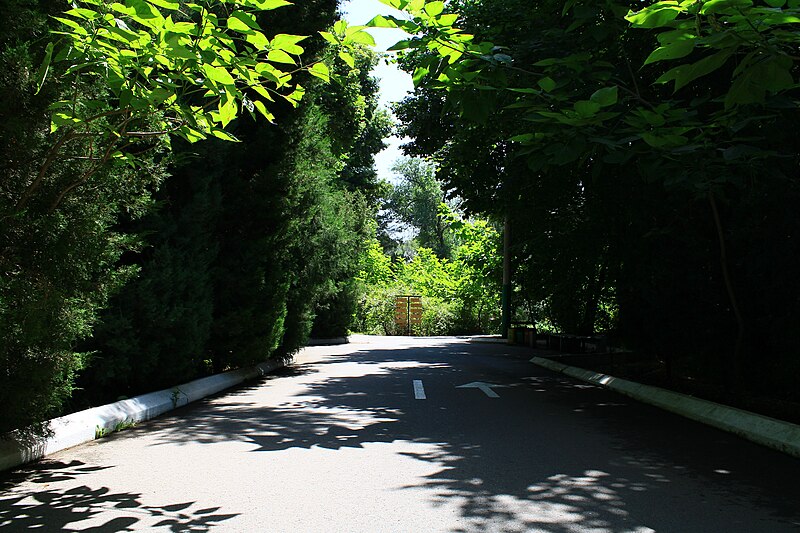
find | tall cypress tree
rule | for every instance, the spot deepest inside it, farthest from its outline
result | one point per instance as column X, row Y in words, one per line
column 58, row 249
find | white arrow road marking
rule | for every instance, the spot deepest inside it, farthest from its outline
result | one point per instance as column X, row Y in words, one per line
column 485, row 387
column 419, row 390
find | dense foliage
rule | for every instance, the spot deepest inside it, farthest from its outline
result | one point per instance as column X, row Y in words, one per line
column 413, row 206
column 641, row 157
column 261, row 244
column 460, row 293
column 58, row 243
column 637, row 151
column 231, row 259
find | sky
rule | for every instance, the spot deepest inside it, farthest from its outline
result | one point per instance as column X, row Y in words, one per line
column 394, row 83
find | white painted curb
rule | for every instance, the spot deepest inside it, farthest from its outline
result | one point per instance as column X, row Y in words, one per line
column 776, row 434
column 332, row 341
column 83, row 426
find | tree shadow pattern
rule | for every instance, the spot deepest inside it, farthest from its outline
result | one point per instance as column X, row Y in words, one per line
column 564, row 457
column 54, row 510
column 518, row 478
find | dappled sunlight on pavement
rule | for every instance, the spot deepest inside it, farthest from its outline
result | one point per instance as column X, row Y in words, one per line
column 338, row 442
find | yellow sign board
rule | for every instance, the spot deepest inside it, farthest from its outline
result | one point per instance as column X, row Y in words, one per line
column 407, row 312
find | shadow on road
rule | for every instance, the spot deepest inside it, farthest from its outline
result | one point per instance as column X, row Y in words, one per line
column 556, row 455
column 56, row 510
column 550, row 455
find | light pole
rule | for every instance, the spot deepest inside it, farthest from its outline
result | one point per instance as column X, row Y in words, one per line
column 505, row 298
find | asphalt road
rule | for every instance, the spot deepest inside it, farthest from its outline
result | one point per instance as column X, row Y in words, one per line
column 343, row 441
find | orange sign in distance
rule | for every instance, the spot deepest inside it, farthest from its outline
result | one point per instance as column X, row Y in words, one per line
column 408, row 312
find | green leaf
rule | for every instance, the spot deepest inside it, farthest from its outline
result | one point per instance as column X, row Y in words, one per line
column 715, row 6
column 166, row 4
column 606, row 96
column 121, row 35
column 190, row 134
column 226, row 111
column 224, row 135
column 87, row 14
column 242, row 22
column 328, row 36
column 257, row 39
column 340, row 27
column 145, row 14
column 267, row 4
column 434, row 8
column 263, row 110
column 279, row 56
column 777, row 73
column 321, row 71
column 44, row 68
column 80, row 30
column 586, row 108
column 160, row 94
column 524, row 138
column 263, row 92
column 414, row 6
column 685, row 74
column 673, row 50
column 402, row 45
column 380, row 21
column 362, row 37
column 265, row 70
column 296, row 95
column 547, row 84
column 447, row 20
column 218, row 74
column 664, row 141
column 751, row 85
column 397, row 4
column 348, row 59
column 288, row 43
column 63, row 119
column 419, row 73
column 654, row 16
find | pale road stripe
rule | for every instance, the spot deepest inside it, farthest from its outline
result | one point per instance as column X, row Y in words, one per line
column 419, row 390
column 489, row 392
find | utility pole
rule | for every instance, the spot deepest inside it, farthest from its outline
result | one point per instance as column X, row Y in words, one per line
column 505, row 298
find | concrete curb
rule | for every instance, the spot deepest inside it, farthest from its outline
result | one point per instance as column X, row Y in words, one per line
column 486, row 339
column 328, row 342
column 84, row 426
column 776, row 434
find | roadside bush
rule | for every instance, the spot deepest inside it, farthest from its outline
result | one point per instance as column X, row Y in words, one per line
column 375, row 311
column 459, row 296
column 439, row 317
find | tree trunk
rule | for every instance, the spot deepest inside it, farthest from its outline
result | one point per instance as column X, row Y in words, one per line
column 735, row 375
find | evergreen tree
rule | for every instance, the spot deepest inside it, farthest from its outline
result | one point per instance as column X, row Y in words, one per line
column 58, row 248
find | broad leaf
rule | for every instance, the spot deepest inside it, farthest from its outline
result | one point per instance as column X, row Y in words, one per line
column 321, row 71
column 547, row 84
column 674, row 50
column 685, row 74
column 606, row 96
column 654, row 16
column 44, row 68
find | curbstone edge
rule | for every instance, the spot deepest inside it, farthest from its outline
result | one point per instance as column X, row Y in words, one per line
column 776, row 434
column 81, row 427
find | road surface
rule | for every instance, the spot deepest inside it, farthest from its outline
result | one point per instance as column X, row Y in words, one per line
column 411, row 435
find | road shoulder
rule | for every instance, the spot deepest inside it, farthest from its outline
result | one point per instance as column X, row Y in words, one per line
column 776, row 434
